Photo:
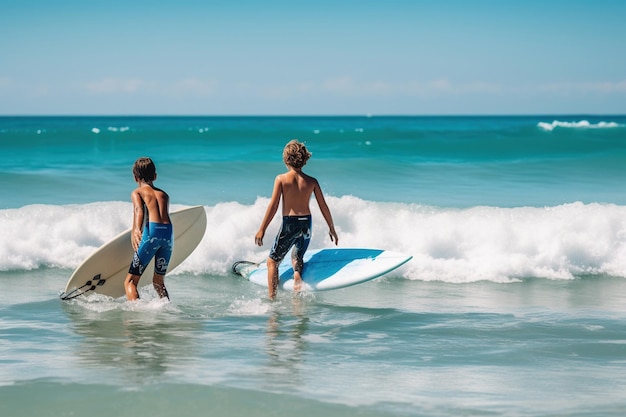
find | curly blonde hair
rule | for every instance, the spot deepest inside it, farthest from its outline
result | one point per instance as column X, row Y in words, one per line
column 296, row 154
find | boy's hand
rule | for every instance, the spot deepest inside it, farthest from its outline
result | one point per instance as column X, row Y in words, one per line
column 333, row 236
column 258, row 238
column 135, row 239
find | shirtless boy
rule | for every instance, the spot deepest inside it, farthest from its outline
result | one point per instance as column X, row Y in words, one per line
column 157, row 238
column 295, row 189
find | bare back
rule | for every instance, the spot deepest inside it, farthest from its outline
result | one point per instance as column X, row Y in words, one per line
column 155, row 200
column 297, row 188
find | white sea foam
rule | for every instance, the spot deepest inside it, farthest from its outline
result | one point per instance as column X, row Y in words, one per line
column 452, row 245
column 583, row 124
column 118, row 129
column 249, row 307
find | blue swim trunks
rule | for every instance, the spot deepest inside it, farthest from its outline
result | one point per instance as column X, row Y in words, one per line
column 157, row 240
column 295, row 231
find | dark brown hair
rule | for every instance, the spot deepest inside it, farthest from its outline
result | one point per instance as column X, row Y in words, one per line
column 144, row 169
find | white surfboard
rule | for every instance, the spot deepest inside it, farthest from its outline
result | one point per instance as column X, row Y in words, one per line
column 328, row 269
column 105, row 270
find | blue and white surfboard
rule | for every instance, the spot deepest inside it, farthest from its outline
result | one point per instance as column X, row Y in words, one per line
column 328, row 269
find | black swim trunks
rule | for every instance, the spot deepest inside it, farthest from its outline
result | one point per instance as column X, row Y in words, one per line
column 295, row 231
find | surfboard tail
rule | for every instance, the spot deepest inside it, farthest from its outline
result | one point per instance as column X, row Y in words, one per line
column 240, row 267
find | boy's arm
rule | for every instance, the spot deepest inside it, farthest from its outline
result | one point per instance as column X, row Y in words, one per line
column 135, row 234
column 270, row 212
column 321, row 202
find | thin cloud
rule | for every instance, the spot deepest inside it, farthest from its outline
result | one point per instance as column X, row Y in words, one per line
column 188, row 86
column 605, row 87
column 347, row 86
column 34, row 90
column 115, row 86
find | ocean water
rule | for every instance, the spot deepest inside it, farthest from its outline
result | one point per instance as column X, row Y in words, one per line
column 513, row 303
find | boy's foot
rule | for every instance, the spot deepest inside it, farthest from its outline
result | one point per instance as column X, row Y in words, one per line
column 297, row 284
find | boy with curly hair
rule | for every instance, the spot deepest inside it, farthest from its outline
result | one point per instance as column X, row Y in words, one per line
column 295, row 188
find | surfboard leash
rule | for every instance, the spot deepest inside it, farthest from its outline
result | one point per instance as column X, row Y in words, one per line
column 94, row 282
column 235, row 266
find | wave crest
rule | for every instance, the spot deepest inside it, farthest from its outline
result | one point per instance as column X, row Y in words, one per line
column 583, row 124
column 451, row 245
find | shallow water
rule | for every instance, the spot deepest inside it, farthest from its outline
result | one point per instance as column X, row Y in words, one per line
column 388, row 347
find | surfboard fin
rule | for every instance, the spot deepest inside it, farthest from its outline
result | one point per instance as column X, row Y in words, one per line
column 92, row 284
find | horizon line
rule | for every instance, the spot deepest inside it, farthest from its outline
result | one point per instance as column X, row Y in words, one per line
column 367, row 115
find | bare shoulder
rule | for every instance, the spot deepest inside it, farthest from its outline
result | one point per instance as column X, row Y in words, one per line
column 280, row 180
column 310, row 179
column 286, row 177
column 135, row 194
column 159, row 190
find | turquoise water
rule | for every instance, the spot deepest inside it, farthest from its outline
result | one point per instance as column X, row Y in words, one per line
column 512, row 304
column 440, row 161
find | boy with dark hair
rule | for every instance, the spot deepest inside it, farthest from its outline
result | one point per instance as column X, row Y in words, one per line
column 151, row 213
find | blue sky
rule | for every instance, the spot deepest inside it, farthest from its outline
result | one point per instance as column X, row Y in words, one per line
column 69, row 57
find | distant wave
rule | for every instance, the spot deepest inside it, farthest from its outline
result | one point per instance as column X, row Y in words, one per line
column 583, row 124
column 97, row 130
column 451, row 245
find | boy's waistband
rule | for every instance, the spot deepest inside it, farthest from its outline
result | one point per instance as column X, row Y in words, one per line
column 160, row 225
column 301, row 218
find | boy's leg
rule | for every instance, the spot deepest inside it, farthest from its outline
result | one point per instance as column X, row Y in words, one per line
column 297, row 255
column 297, row 264
column 130, row 286
column 272, row 277
column 161, row 261
column 158, row 282
column 136, row 270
